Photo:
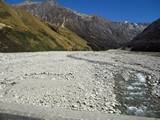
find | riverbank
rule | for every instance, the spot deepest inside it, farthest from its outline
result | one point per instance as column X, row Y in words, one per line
column 83, row 81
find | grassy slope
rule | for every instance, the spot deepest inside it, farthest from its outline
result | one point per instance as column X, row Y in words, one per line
column 25, row 32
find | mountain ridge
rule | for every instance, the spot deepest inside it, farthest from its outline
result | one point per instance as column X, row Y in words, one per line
column 100, row 34
column 148, row 40
column 28, row 33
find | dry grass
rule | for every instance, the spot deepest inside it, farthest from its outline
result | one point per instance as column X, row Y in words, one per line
column 29, row 33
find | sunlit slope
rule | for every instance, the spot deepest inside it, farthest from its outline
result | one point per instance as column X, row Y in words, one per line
column 20, row 32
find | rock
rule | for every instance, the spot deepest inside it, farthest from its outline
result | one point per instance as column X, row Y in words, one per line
column 156, row 91
column 13, row 83
column 74, row 106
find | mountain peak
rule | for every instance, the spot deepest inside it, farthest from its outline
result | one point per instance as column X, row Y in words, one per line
column 30, row 2
column 27, row 2
column 52, row 2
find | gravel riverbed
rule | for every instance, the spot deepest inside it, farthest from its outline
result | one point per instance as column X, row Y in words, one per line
column 89, row 81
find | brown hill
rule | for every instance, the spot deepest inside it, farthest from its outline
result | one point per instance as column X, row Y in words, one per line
column 20, row 31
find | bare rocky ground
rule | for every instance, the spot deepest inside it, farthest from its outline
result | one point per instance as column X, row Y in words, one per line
column 114, row 81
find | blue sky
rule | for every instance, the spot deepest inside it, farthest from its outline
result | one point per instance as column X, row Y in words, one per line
column 117, row 10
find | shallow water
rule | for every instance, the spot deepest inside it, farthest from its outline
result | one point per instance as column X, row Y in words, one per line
column 135, row 95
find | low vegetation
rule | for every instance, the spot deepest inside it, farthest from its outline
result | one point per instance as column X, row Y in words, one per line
column 22, row 32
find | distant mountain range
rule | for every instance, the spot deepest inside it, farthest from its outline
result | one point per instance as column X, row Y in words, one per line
column 45, row 26
column 148, row 40
column 100, row 34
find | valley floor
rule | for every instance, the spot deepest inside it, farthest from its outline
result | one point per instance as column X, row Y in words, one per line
column 113, row 81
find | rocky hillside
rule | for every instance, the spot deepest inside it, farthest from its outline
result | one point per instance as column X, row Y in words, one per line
column 100, row 34
column 148, row 40
column 20, row 31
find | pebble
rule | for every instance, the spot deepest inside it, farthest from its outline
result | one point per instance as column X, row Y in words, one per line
column 1, row 87
column 53, row 78
column 74, row 106
column 13, row 83
column 111, row 112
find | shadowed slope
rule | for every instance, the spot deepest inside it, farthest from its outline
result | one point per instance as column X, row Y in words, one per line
column 148, row 40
